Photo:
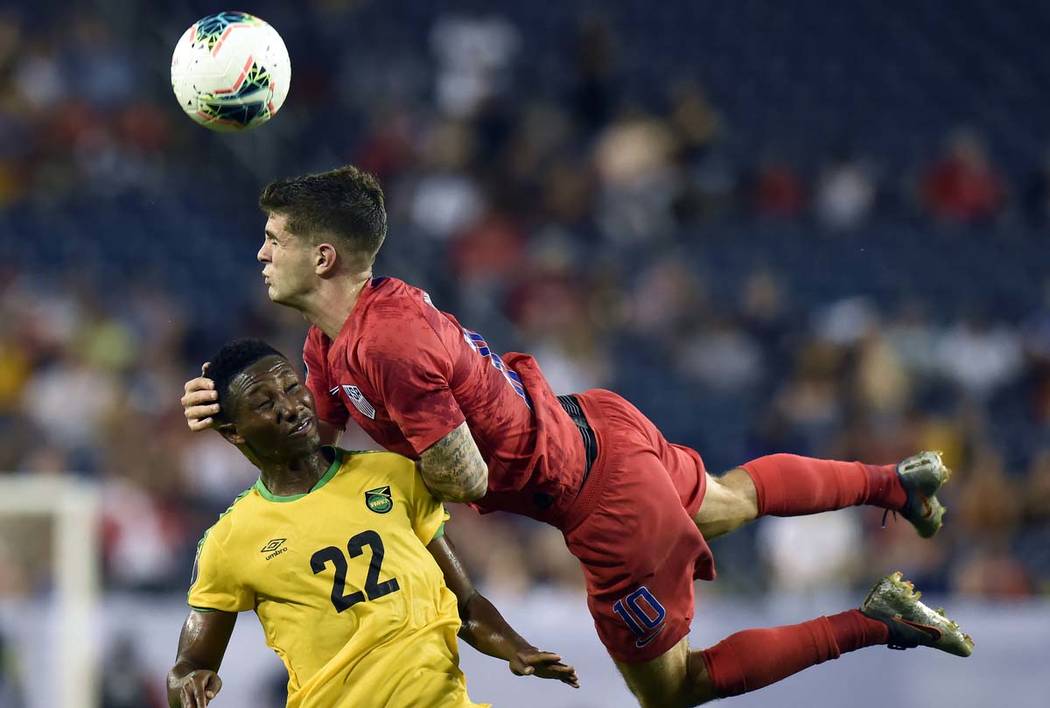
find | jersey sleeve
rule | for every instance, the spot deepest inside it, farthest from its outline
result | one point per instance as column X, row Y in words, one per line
column 329, row 408
column 411, row 367
column 428, row 515
column 214, row 585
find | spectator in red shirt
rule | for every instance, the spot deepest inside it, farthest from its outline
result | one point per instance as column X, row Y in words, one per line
column 963, row 186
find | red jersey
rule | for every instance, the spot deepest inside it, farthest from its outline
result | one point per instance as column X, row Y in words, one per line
column 409, row 374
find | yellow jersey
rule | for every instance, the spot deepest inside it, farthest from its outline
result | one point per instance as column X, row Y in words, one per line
column 348, row 595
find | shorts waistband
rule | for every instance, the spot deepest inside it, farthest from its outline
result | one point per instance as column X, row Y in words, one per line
column 590, row 441
column 587, row 494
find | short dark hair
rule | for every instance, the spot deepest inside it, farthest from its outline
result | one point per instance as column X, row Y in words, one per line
column 234, row 357
column 346, row 202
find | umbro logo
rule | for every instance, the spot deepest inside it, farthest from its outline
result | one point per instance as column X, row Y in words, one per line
column 275, row 547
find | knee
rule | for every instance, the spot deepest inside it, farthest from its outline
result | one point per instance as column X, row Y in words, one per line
column 692, row 688
column 741, row 485
column 730, row 502
column 740, row 489
column 699, row 688
column 676, row 679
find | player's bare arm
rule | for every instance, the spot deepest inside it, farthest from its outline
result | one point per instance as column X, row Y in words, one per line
column 484, row 628
column 194, row 680
column 453, row 468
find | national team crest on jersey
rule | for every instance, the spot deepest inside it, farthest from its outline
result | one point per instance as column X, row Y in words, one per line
column 359, row 401
column 379, row 499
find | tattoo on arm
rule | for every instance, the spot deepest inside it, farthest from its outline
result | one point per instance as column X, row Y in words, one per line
column 453, row 468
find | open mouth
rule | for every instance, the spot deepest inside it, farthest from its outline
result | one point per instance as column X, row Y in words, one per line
column 303, row 427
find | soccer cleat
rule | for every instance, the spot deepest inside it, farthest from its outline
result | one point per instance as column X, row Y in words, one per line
column 921, row 476
column 894, row 601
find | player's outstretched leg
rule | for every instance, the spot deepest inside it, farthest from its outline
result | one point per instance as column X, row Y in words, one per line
column 747, row 661
column 791, row 485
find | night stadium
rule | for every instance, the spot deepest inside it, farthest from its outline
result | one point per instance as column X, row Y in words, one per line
column 785, row 233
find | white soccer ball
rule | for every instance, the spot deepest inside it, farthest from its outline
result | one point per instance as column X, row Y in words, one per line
column 230, row 71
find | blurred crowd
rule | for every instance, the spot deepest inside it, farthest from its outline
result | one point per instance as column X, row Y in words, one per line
column 748, row 302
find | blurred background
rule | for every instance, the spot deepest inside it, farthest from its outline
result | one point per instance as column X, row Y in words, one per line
column 806, row 227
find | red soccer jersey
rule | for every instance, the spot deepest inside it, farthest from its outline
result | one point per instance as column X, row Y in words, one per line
column 408, row 374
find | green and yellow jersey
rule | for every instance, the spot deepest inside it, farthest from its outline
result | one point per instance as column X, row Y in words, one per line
column 342, row 582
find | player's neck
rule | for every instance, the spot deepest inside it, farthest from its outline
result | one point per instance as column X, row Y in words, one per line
column 295, row 477
column 334, row 301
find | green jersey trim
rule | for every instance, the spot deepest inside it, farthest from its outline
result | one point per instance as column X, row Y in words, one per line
column 200, row 543
column 440, row 532
column 325, row 478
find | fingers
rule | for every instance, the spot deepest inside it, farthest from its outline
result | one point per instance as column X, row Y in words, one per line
column 200, row 417
column 199, row 404
column 200, row 410
column 541, row 657
column 201, row 383
column 187, row 697
column 545, row 664
column 198, row 693
column 564, row 673
column 214, row 682
column 199, row 398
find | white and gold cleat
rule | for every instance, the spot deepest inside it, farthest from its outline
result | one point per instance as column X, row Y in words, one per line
column 895, row 602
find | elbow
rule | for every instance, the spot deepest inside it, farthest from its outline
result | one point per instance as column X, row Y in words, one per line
column 454, row 480
column 463, row 605
column 467, row 492
column 476, row 490
column 476, row 486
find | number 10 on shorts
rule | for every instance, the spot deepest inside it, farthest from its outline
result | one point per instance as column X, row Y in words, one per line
column 643, row 614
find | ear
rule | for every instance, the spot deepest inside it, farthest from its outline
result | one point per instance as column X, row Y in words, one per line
column 229, row 431
column 325, row 258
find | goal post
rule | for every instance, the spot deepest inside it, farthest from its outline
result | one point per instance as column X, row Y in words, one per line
column 72, row 506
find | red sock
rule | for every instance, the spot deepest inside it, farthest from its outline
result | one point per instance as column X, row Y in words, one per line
column 790, row 485
column 854, row 630
column 749, row 660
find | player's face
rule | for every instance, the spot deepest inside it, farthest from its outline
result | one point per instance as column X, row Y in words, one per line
column 273, row 411
column 288, row 263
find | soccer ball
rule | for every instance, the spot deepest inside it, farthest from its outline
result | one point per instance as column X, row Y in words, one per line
column 230, row 71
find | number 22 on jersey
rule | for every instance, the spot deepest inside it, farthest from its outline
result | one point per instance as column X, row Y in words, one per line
column 374, row 589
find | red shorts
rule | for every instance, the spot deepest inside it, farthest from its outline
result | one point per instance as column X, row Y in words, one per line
column 632, row 529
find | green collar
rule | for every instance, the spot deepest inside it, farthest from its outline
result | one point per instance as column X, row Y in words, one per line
column 332, row 469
